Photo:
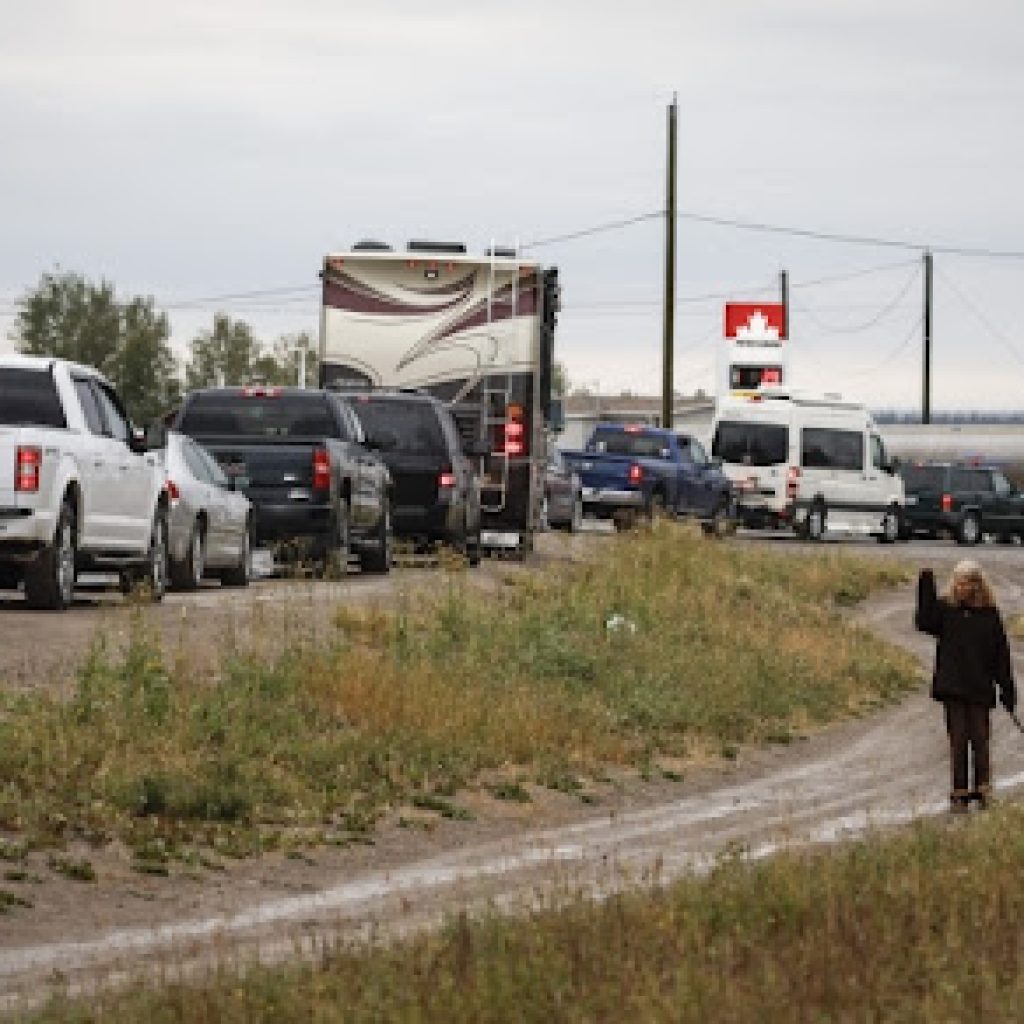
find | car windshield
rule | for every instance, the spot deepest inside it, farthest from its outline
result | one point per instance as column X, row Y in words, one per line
column 924, row 478
column 750, row 444
column 628, row 442
column 28, row 398
column 236, row 414
column 414, row 425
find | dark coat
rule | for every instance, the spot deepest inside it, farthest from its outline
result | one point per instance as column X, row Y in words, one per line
column 973, row 655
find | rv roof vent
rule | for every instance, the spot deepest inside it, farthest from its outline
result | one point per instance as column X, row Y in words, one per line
column 418, row 245
column 371, row 245
column 502, row 252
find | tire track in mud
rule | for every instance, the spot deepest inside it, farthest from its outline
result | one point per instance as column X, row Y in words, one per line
column 884, row 771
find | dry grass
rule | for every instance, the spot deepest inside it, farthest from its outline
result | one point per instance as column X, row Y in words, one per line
column 311, row 738
column 923, row 926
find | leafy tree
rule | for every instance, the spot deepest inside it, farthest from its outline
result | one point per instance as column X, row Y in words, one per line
column 67, row 316
column 287, row 355
column 225, row 355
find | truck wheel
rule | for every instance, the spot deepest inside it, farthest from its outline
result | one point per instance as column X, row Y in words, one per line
column 155, row 573
column 50, row 579
column 188, row 573
column 623, row 519
column 241, row 574
column 378, row 560
column 969, row 531
column 718, row 524
column 814, row 525
column 891, row 527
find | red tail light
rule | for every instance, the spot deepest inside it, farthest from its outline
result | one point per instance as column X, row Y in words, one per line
column 321, row 469
column 947, row 503
column 26, row 468
column 514, row 432
column 259, row 391
column 792, row 482
column 446, row 479
column 173, row 491
column 636, row 473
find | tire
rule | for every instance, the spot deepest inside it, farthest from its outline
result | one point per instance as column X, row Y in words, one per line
column 892, row 527
column 188, row 573
column 50, row 579
column 155, row 573
column 474, row 551
column 718, row 524
column 378, row 560
column 814, row 525
column 969, row 530
column 334, row 563
column 241, row 574
column 656, row 508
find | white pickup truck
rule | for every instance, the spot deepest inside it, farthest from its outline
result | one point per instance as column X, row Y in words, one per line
column 78, row 491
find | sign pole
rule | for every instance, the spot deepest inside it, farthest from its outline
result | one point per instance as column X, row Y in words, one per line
column 668, row 339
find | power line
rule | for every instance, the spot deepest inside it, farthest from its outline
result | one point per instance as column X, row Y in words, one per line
column 596, row 229
column 984, row 320
column 912, row 334
column 871, row 321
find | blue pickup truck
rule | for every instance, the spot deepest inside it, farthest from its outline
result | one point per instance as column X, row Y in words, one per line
column 628, row 471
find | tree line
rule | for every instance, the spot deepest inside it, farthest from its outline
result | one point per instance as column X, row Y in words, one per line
column 128, row 340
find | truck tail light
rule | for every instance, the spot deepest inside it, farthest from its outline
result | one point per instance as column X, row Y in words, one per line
column 947, row 503
column 792, row 483
column 513, row 441
column 173, row 490
column 26, row 469
column 636, row 473
column 446, row 479
column 321, row 469
column 260, row 391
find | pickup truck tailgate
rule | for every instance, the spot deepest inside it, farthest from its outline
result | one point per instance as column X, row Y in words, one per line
column 277, row 472
column 601, row 470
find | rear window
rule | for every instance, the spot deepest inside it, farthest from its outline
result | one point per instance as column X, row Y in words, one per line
column 924, row 478
column 28, row 398
column 971, row 480
column 622, row 442
column 232, row 414
column 750, row 444
column 414, row 425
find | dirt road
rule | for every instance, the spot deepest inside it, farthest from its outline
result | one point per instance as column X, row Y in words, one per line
column 876, row 771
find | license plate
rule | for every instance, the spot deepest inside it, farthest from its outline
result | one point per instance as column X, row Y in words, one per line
column 262, row 562
column 499, row 539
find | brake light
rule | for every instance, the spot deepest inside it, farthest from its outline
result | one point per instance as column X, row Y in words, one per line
column 321, row 469
column 261, row 392
column 173, row 491
column 26, row 468
column 792, row 483
column 446, row 479
column 636, row 473
column 514, row 432
column 947, row 503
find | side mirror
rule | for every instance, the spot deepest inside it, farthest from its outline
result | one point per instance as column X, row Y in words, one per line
column 137, row 441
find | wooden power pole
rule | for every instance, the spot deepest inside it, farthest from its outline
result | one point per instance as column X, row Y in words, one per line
column 926, row 380
column 668, row 340
column 784, row 299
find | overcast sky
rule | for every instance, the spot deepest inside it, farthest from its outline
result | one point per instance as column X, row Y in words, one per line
column 209, row 147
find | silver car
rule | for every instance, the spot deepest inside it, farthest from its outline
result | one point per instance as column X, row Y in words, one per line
column 209, row 522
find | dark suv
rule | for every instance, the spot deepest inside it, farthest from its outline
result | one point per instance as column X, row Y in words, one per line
column 436, row 496
column 966, row 501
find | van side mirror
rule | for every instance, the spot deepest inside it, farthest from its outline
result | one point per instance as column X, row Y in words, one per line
column 137, row 441
column 156, row 436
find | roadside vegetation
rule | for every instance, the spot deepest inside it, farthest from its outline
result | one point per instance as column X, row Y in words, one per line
column 920, row 925
column 668, row 650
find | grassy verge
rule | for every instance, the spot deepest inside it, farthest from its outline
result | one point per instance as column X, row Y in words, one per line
column 919, row 926
column 669, row 647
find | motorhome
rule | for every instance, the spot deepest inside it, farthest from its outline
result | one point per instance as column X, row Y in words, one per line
column 476, row 332
column 812, row 463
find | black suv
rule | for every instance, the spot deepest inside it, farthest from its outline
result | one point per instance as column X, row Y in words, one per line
column 301, row 457
column 966, row 501
column 436, row 490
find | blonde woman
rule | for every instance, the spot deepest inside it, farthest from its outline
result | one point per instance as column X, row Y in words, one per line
column 971, row 660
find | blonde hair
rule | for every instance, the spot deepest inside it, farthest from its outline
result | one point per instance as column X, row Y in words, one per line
column 968, row 587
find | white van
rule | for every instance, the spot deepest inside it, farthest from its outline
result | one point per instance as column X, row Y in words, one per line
column 812, row 463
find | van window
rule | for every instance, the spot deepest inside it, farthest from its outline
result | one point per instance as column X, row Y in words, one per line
column 822, row 448
column 750, row 444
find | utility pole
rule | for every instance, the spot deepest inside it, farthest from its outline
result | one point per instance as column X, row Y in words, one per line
column 668, row 340
column 926, row 382
column 784, row 299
